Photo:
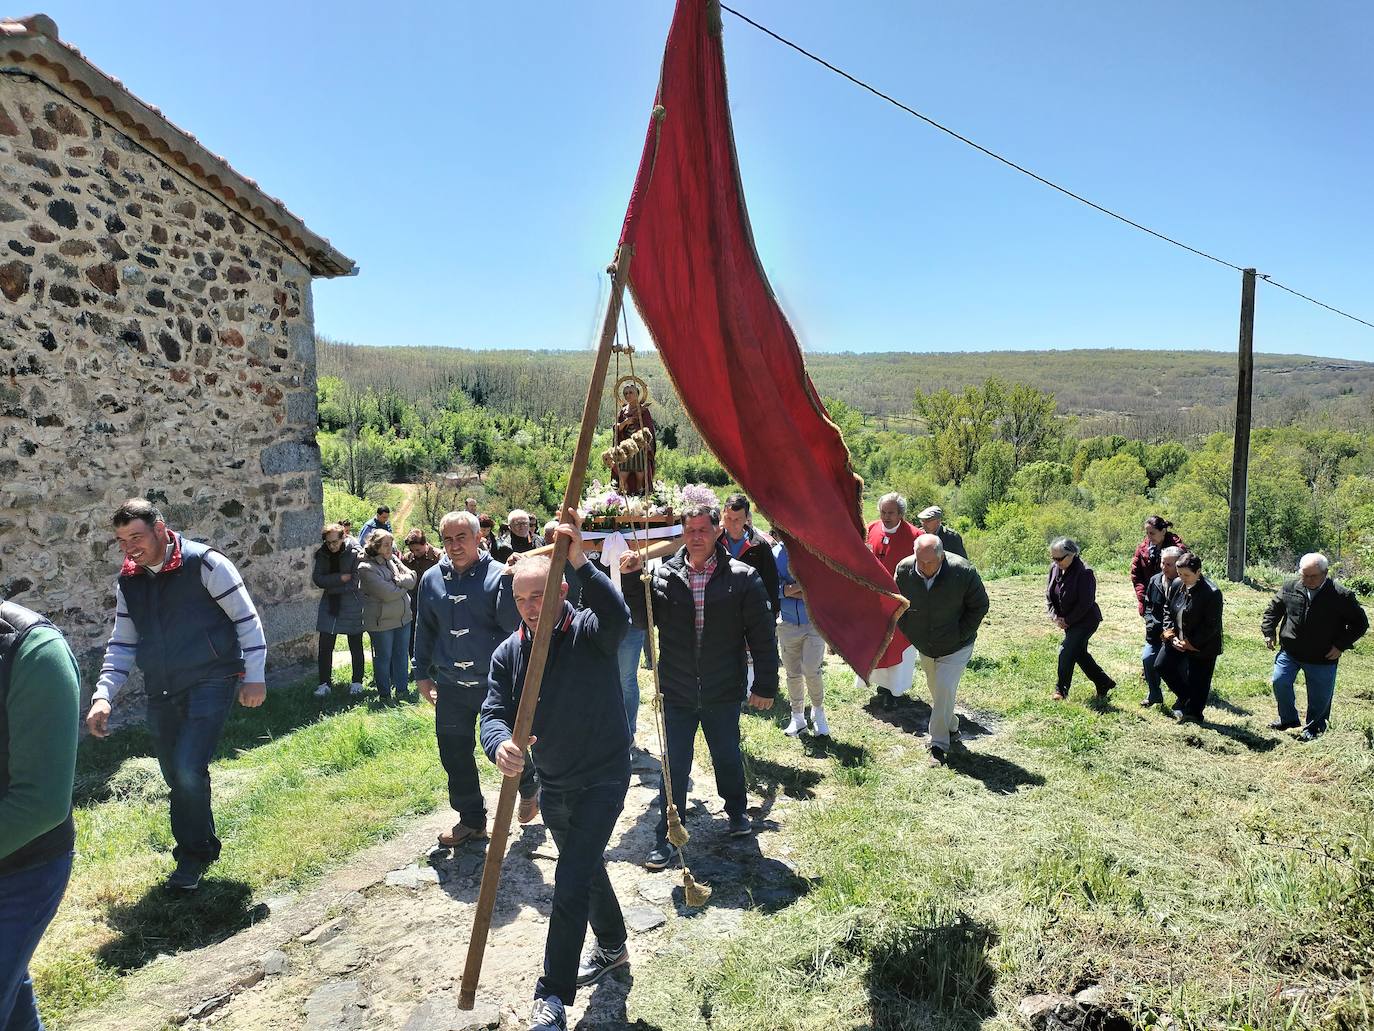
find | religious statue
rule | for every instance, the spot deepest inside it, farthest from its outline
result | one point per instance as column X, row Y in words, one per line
column 634, row 475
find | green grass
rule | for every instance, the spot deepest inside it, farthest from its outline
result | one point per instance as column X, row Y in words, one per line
column 297, row 788
column 1192, row 871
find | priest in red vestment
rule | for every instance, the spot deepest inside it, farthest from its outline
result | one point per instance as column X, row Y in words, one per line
column 891, row 538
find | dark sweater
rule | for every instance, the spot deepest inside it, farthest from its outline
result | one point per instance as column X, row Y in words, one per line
column 1157, row 594
column 1308, row 630
column 757, row 553
column 1071, row 594
column 584, row 738
column 1195, row 614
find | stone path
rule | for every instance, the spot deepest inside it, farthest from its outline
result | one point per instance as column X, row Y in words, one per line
column 381, row 943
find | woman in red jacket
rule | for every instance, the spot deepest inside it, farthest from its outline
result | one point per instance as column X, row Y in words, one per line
column 1145, row 561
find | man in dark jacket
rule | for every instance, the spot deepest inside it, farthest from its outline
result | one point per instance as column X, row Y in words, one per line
column 184, row 616
column 39, row 699
column 708, row 609
column 933, row 522
column 1314, row 620
column 747, row 545
column 948, row 603
column 580, row 744
column 1156, row 655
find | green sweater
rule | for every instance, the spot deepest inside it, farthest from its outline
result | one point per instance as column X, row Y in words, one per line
column 42, row 705
column 944, row 617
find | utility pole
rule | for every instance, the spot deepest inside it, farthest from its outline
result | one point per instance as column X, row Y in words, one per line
column 1240, row 456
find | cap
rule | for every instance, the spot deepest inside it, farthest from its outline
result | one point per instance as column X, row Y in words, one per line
column 933, row 512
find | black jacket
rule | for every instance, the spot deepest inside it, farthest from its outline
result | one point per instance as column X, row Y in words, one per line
column 757, row 554
column 1157, row 595
column 1071, row 594
column 1195, row 615
column 737, row 614
column 580, row 719
column 1333, row 618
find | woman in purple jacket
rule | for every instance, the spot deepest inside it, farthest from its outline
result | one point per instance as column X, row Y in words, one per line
column 1071, row 602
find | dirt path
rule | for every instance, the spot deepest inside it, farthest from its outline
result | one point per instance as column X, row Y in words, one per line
column 409, row 496
column 381, row 943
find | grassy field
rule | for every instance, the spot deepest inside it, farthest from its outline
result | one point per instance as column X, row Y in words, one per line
column 297, row 787
column 1192, row 871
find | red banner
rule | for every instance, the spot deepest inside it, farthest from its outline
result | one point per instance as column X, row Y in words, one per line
column 735, row 362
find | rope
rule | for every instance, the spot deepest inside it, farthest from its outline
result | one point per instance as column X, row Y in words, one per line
column 696, row 895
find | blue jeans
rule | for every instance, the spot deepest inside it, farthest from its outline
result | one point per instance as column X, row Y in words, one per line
column 390, row 661
column 1321, row 688
column 630, row 647
column 581, row 822
column 186, row 729
column 1148, row 657
column 28, row 902
column 720, row 725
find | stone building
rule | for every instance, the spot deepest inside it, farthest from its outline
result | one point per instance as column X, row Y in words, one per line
column 156, row 339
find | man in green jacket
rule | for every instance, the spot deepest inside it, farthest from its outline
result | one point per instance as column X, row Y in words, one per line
column 39, row 692
column 948, row 603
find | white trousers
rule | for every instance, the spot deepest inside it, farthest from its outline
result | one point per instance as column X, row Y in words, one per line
column 942, row 679
column 803, row 655
column 894, row 679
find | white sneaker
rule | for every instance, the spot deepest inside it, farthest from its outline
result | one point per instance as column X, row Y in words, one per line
column 355, row 689
column 548, row 1015
column 797, row 725
column 818, row 721
column 322, row 691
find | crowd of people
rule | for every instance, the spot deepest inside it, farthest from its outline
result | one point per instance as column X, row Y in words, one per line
column 459, row 621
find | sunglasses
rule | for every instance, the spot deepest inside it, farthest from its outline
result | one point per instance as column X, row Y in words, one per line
column 1059, row 558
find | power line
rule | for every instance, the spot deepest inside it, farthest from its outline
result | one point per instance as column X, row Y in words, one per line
column 1022, row 169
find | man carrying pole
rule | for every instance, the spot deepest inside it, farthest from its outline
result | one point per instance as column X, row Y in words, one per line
column 580, row 744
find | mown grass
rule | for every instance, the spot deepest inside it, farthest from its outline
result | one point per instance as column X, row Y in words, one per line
column 297, row 788
column 1197, row 872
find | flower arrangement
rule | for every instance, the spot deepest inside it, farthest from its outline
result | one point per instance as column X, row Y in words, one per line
column 604, row 507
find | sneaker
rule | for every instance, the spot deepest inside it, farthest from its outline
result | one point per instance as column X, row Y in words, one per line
column 600, row 961
column 528, row 808
column 741, row 826
column 1150, row 703
column 818, row 720
column 355, row 689
column 548, row 1015
column 322, row 691
column 1311, row 733
column 460, row 833
column 797, row 725
column 187, row 875
column 1282, row 725
column 937, row 756
column 661, row 856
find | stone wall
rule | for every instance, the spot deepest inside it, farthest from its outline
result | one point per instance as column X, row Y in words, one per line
column 152, row 342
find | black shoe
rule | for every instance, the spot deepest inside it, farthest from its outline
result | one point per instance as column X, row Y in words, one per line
column 1281, row 725
column 1061, row 694
column 599, row 961
column 1150, row 703
column 187, row 875
column 1105, row 689
column 741, row 826
column 661, row 856
column 937, row 756
column 885, row 700
column 1188, row 717
column 1311, row 733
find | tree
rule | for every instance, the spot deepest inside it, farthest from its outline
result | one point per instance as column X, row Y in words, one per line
column 1040, row 482
column 1114, row 479
column 1029, row 423
column 959, row 425
column 436, row 497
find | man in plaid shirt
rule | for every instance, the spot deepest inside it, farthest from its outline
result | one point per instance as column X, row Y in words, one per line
column 711, row 612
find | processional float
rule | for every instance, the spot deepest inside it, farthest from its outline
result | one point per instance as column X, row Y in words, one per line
column 686, row 252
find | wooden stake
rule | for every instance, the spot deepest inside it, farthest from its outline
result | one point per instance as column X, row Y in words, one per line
column 1240, row 455
column 539, row 649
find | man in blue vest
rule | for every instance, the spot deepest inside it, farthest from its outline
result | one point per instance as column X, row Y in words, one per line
column 183, row 615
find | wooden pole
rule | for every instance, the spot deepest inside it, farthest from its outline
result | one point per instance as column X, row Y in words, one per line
column 539, row 649
column 1240, row 455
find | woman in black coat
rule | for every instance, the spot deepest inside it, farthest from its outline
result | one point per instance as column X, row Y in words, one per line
column 1192, row 628
column 1071, row 602
column 341, row 605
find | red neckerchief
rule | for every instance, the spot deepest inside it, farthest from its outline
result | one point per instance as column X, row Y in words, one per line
column 561, row 628
column 170, row 564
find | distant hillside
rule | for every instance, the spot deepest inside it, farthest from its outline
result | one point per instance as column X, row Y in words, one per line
column 1154, row 395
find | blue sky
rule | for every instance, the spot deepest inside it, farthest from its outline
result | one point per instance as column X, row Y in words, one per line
column 475, row 160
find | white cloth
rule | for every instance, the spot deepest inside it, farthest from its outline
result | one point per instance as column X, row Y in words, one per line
column 894, row 679
column 942, row 680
